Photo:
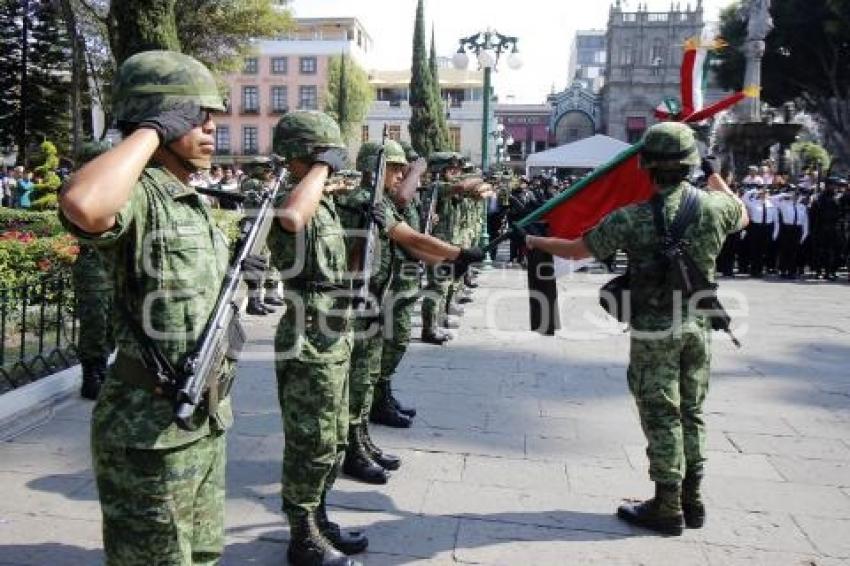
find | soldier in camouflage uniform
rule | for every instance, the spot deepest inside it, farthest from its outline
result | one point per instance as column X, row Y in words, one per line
column 93, row 292
column 260, row 179
column 313, row 339
column 161, row 488
column 670, row 346
column 437, row 298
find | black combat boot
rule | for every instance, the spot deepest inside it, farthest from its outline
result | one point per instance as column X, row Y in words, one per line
column 256, row 307
column 91, row 381
column 662, row 513
column 348, row 542
column 309, row 547
column 403, row 409
column 432, row 336
column 464, row 298
column 451, row 323
column 385, row 413
column 358, row 464
column 273, row 298
column 384, row 459
column 692, row 504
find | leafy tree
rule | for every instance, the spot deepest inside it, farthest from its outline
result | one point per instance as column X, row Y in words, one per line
column 807, row 59
column 424, row 109
column 349, row 94
column 441, row 139
column 811, row 155
column 33, row 75
column 142, row 25
column 218, row 32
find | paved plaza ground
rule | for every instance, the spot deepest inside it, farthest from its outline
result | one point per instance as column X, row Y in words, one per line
column 523, row 447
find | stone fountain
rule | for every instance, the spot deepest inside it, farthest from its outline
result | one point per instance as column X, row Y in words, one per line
column 748, row 137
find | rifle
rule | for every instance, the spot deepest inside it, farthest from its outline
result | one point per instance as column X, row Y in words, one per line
column 362, row 296
column 223, row 335
column 432, row 207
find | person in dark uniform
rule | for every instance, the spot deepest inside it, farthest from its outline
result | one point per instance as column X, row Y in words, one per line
column 827, row 241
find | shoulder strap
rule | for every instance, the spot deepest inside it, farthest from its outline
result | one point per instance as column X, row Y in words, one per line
column 686, row 214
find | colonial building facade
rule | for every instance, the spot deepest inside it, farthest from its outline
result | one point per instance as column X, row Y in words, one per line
column 645, row 51
column 290, row 73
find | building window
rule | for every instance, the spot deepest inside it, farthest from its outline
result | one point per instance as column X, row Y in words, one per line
column 280, row 65
column 656, row 17
column 454, row 138
column 630, row 17
column 250, row 140
column 251, row 66
column 280, row 103
column 364, row 133
column 627, row 55
column 222, row 139
column 250, row 100
column 656, row 55
column 307, row 65
column 394, row 132
column 308, row 98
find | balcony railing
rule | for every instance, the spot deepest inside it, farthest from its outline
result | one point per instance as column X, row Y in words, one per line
column 249, row 110
column 278, row 110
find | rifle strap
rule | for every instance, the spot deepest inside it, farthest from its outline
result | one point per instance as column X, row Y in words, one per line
column 688, row 211
column 155, row 361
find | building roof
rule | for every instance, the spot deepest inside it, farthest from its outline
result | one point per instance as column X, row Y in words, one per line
column 448, row 78
column 305, row 22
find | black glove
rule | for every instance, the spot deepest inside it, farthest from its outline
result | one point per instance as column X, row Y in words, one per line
column 253, row 268
column 175, row 122
column 465, row 258
column 336, row 158
column 710, row 165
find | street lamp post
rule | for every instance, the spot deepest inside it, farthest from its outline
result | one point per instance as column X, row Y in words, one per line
column 487, row 46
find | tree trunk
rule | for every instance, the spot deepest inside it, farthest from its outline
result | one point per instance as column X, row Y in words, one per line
column 21, row 130
column 141, row 25
column 76, row 77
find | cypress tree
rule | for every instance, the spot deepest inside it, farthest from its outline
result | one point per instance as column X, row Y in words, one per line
column 34, row 76
column 423, row 111
column 342, row 97
column 441, row 138
column 142, row 25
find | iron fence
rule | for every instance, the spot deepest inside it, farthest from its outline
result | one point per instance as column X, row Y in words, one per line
column 39, row 327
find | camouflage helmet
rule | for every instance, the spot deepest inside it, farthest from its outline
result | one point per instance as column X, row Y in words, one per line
column 669, row 145
column 92, row 149
column 258, row 165
column 409, row 153
column 367, row 156
column 153, row 81
column 298, row 134
column 442, row 159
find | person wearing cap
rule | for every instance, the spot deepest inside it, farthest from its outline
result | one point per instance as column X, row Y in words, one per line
column 670, row 352
column 161, row 488
column 793, row 231
column 763, row 229
column 826, row 233
column 844, row 207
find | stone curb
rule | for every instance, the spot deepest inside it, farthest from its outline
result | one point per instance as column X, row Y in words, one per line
column 33, row 404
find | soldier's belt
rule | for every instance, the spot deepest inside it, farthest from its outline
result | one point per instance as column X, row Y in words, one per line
column 315, row 286
column 134, row 373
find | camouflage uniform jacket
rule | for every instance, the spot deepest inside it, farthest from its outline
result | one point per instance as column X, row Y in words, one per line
column 313, row 264
column 632, row 229
column 90, row 272
column 166, row 258
column 353, row 218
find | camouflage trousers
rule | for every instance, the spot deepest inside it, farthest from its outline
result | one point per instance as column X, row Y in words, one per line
column 94, row 310
column 365, row 367
column 314, row 406
column 668, row 378
column 436, row 297
column 269, row 279
column 398, row 322
column 162, row 506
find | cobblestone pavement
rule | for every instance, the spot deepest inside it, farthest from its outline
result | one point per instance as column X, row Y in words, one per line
column 523, row 447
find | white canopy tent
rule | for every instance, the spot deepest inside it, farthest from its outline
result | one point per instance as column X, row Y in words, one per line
column 588, row 153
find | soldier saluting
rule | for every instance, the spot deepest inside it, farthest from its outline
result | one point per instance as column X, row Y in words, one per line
column 670, row 347
column 161, row 488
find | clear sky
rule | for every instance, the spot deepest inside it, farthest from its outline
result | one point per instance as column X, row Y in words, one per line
column 545, row 29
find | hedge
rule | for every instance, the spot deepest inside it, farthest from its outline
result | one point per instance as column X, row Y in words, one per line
column 35, row 244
